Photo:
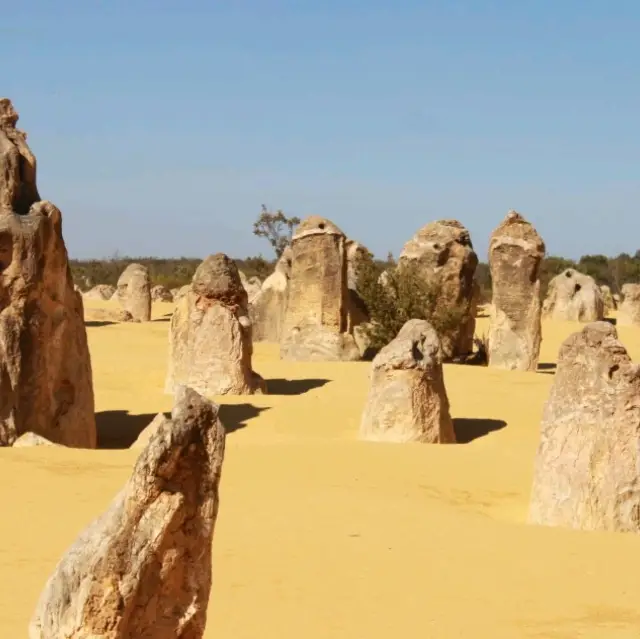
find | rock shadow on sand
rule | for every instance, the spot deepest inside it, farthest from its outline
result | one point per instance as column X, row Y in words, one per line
column 293, row 386
column 235, row 416
column 98, row 323
column 118, row 429
column 467, row 429
column 548, row 368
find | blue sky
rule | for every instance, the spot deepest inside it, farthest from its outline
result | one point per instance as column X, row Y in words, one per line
column 161, row 127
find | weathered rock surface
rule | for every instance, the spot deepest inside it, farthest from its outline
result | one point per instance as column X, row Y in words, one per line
column 45, row 369
column 357, row 310
column 179, row 293
column 363, row 340
column 267, row 309
column 160, row 293
column 575, row 297
column 608, row 299
column 587, row 468
column 210, row 342
column 143, row 568
column 252, row 285
column 516, row 252
column 28, row 440
column 629, row 309
column 149, row 431
column 443, row 254
column 134, row 292
column 317, row 318
column 407, row 399
column 100, row 292
column 108, row 315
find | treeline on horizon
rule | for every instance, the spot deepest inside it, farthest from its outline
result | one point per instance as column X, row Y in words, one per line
column 174, row 272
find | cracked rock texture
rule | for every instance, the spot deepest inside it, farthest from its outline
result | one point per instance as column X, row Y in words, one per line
column 319, row 318
column 443, row 254
column 407, row 399
column 134, row 292
column 629, row 309
column 210, row 339
column 516, row 251
column 143, row 568
column 587, row 468
column 574, row 297
column 46, row 382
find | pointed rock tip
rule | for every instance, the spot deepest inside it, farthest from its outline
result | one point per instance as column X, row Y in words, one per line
column 188, row 403
column 8, row 114
column 514, row 216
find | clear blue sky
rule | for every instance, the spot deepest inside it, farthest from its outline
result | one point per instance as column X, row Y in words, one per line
column 161, row 127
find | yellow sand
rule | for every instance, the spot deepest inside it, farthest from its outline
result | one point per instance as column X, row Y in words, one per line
column 320, row 536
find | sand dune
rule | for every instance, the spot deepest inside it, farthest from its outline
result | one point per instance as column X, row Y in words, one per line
column 322, row 536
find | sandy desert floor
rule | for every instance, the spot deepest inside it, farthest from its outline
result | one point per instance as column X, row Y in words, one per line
column 322, row 536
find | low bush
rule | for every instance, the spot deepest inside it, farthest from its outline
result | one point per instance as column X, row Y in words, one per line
column 395, row 295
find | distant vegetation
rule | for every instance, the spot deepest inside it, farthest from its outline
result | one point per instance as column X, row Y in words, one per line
column 610, row 271
column 170, row 272
column 173, row 272
column 277, row 228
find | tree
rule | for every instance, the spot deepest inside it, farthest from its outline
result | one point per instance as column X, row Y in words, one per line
column 598, row 267
column 276, row 227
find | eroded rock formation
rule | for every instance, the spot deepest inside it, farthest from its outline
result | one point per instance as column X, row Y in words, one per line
column 575, row 297
column 357, row 310
column 587, row 469
column 210, row 341
column 443, row 255
column 108, row 315
column 516, row 252
column 629, row 309
column 143, row 568
column 317, row 318
column 179, row 293
column 608, row 299
column 100, row 292
column 45, row 369
column 134, row 292
column 160, row 293
column 29, row 440
column 252, row 285
column 407, row 399
column 268, row 307
column 149, row 431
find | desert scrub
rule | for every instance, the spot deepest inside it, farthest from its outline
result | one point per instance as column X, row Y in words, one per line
column 397, row 294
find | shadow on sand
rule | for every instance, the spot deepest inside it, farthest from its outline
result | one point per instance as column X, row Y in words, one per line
column 548, row 368
column 467, row 429
column 235, row 416
column 118, row 429
column 164, row 318
column 293, row 386
column 98, row 323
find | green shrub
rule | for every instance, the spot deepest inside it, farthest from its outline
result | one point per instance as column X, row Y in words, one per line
column 400, row 295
